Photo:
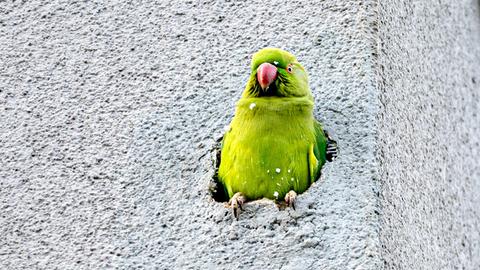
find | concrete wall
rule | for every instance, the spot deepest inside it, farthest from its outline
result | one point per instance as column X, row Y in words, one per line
column 429, row 126
column 108, row 114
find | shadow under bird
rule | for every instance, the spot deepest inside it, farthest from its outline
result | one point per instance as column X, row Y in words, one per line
column 273, row 148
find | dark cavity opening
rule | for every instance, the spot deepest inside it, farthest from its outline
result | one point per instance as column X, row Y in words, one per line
column 217, row 189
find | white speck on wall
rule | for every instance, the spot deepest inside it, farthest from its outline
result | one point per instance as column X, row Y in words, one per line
column 275, row 194
column 252, row 105
column 277, row 170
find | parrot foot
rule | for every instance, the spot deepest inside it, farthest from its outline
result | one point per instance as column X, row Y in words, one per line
column 290, row 198
column 332, row 149
column 236, row 202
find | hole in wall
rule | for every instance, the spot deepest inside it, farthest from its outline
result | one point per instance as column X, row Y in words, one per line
column 216, row 188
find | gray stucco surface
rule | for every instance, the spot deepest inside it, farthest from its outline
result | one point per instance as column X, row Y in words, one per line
column 429, row 126
column 107, row 117
column 109, row 113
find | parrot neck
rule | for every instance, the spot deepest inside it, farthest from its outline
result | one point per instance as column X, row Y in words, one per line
column 277, row 105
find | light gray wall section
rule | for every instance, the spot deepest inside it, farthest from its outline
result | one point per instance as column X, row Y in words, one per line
column 429, row 134
column 107, row 117
column 107, row 114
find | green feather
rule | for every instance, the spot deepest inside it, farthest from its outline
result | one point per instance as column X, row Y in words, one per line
column 274, row 144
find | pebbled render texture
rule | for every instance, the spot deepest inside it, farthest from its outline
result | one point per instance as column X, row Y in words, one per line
column 429, row 134
column 108, row 114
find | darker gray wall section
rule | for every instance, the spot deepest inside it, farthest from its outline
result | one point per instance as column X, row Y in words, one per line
column 429, row 126
column 107, row 117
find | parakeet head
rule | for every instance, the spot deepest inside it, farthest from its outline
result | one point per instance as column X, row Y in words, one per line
column 276, row 72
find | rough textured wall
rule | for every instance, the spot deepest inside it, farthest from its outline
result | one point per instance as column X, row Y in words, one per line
column 107, row 115
column 429, row 127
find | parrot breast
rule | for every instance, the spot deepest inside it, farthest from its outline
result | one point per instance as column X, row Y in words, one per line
column 266, row 151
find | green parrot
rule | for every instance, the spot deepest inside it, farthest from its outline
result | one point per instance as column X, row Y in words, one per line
column 273, row 148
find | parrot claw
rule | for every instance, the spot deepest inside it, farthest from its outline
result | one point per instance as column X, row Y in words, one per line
column 332, row 149
column 236, row 202
column 290, row 198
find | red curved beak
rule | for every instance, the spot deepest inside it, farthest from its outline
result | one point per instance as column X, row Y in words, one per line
column 266, row 75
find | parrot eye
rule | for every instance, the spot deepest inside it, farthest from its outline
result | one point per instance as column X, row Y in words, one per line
column 289, row 68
